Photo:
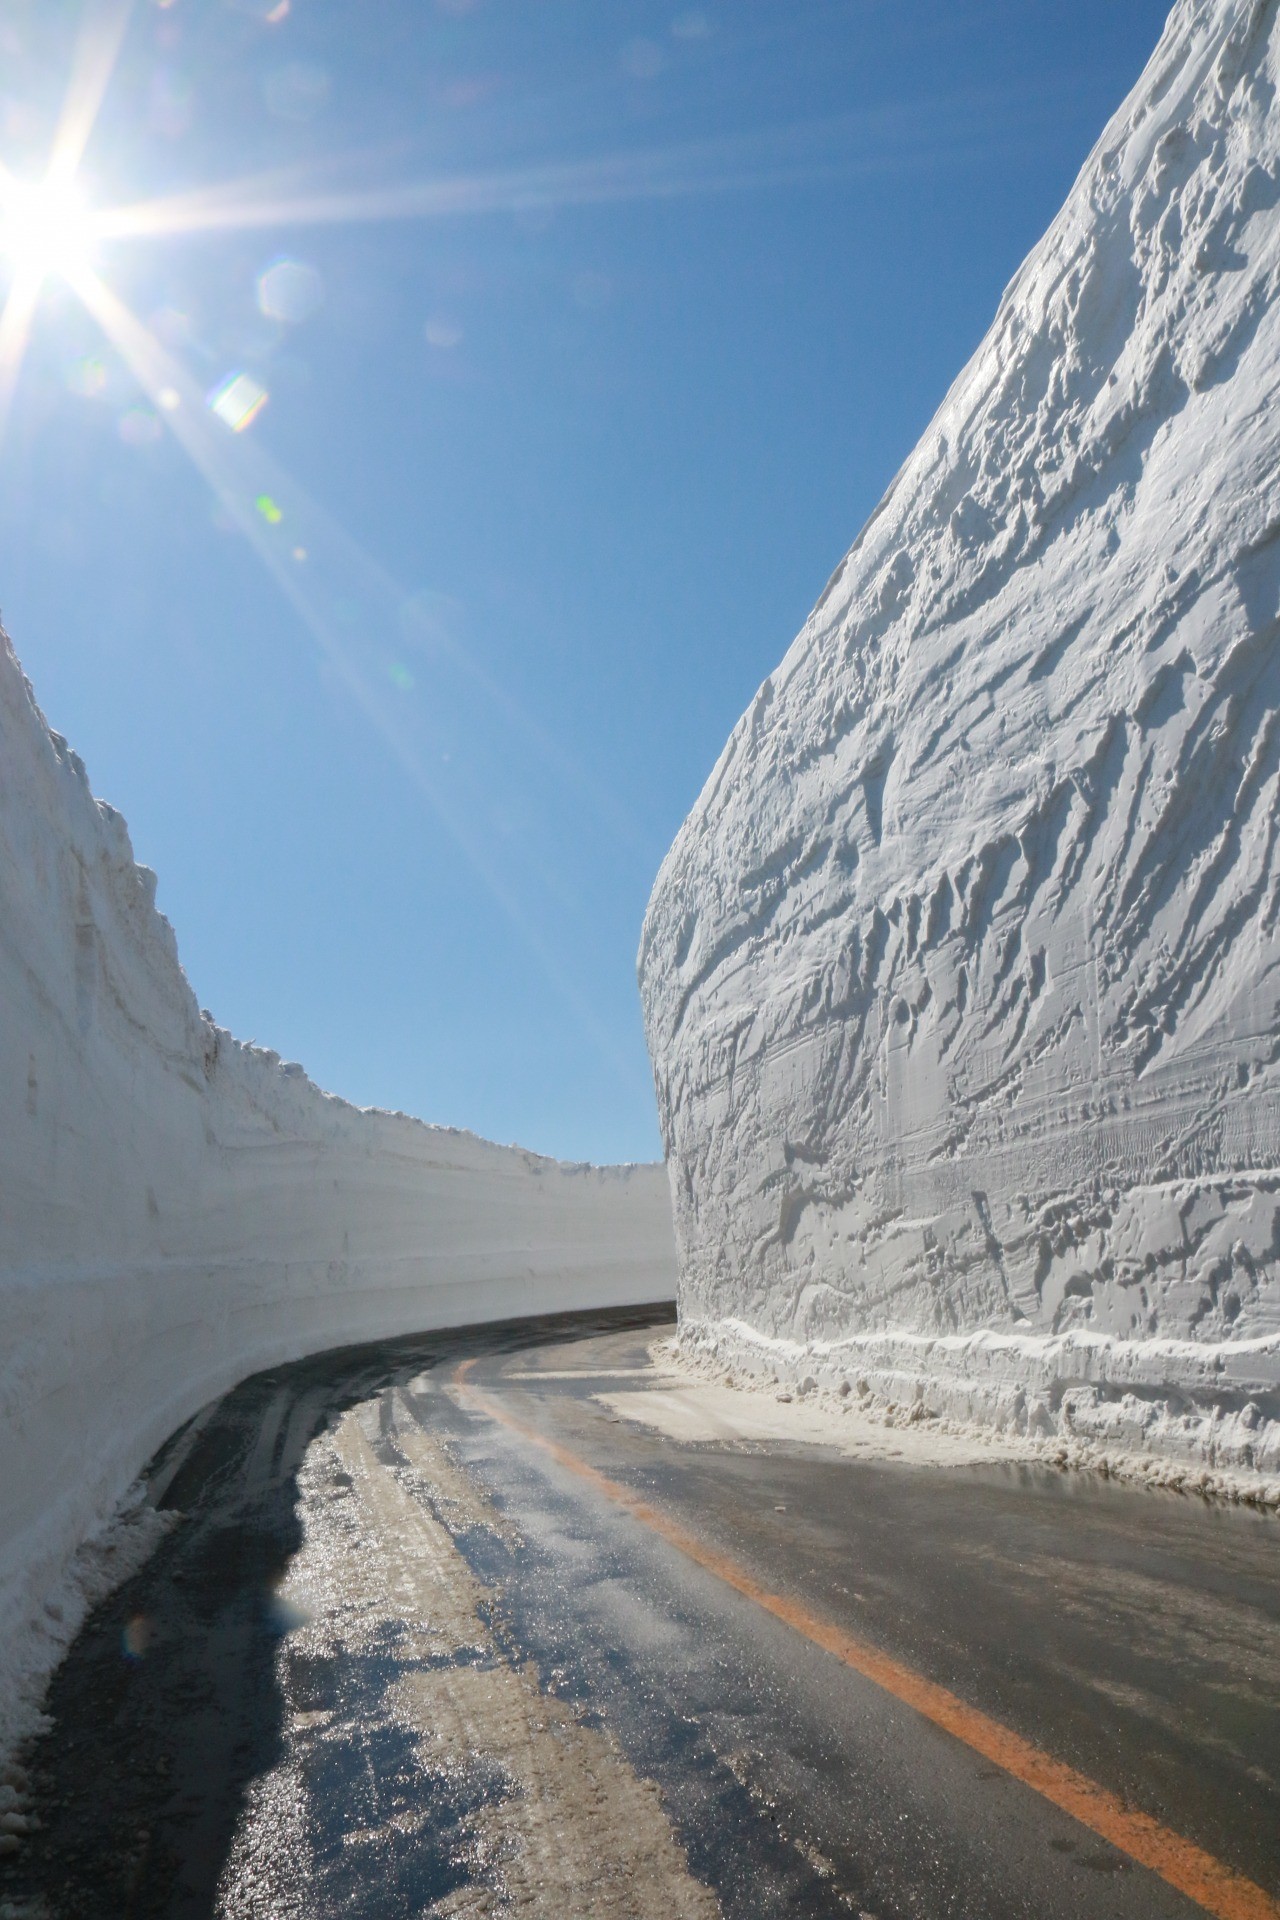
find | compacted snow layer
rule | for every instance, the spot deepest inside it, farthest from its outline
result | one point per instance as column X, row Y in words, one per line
column 961, row 978
column 178, row 1210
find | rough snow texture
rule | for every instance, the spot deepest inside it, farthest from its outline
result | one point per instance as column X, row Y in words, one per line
column 178, row 1210
column 961, row 978
column 827, row 1403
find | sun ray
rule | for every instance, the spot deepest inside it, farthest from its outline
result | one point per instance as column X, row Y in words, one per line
column 915, row 132
column 225, row 465
column 694, row 167
column 97, row 50
column 220, row 458
column 820, row 148
column 15, row 330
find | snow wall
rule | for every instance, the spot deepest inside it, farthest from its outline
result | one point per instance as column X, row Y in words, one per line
column 962, row 978
column 178, row 1210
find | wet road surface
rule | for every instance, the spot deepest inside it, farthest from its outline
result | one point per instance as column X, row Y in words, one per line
column 437, row 1632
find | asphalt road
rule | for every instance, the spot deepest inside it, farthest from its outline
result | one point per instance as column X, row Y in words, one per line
column 437, row 1632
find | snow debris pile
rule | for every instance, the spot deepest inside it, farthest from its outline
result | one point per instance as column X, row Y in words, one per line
column 180, row 1210
column 962, row 979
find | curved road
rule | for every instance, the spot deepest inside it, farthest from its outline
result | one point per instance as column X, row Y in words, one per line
column 439, row 1629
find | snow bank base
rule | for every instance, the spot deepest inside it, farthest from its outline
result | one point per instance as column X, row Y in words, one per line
column 114, row 1551
column 1084, row 1400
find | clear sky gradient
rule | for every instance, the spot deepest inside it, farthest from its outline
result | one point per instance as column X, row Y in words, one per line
column 616, row 320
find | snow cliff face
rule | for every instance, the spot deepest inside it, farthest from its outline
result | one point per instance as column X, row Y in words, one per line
column 962, row 980
column 178, row 1210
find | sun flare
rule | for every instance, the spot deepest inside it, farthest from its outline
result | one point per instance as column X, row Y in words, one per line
column 46, row 227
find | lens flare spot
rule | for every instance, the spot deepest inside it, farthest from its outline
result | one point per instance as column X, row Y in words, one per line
column 267, row 507
column 172, row 105
column 136, row 1636
column 171, row 326
column 285, row 1614
column 298, row 91
column 443, row 334
column 401, row 677
column 139, row 427
column 299, row 554
column 88, row 378
column 169, row 399
column 289, row 290
column 642, row 59
column 238, row 401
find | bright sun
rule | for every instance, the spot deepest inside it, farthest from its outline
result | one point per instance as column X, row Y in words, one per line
column 47, row 228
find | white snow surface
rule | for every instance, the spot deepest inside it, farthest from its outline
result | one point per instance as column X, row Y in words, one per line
column 178, row 1210
column 961, row 980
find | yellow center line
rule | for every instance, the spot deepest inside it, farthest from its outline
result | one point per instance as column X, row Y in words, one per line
column 1179, row 1862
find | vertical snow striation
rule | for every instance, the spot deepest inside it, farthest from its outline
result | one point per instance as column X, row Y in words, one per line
column 962, row 979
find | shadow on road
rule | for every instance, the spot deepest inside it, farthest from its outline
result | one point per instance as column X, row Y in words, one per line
column 166, row 1707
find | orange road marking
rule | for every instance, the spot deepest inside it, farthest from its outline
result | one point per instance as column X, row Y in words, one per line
column 1179, row 1862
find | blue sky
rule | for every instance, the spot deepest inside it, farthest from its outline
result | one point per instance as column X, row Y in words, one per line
column 405, row 688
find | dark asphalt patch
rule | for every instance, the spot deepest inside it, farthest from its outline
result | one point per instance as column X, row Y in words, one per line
column 781, row 1784
column 142, row 1777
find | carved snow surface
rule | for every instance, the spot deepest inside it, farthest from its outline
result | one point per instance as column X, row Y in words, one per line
column 961, row 980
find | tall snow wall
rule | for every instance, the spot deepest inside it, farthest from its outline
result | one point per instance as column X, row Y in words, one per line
column 962, row 978
column 178, row 1210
